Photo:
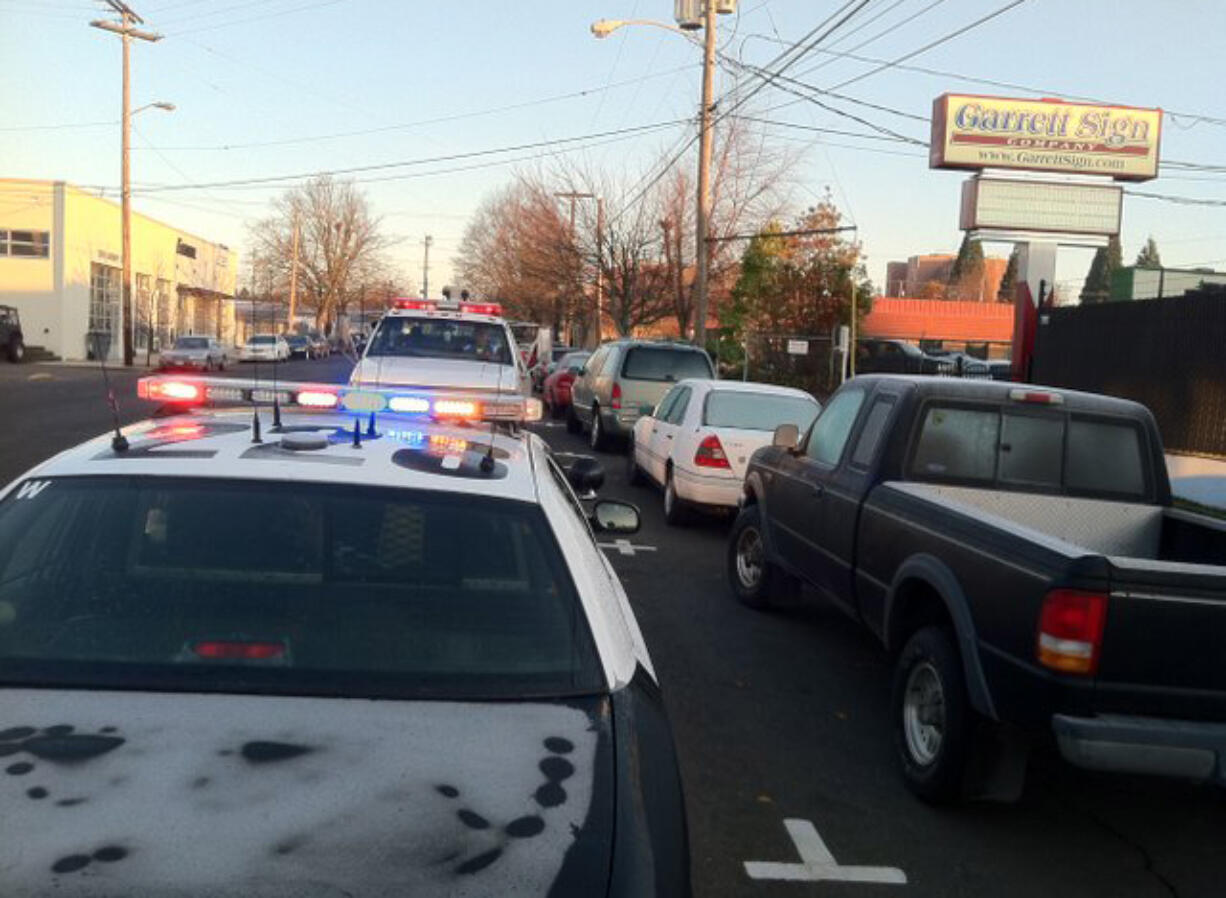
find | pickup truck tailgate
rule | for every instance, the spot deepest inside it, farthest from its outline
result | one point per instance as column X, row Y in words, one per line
column 1164, row 639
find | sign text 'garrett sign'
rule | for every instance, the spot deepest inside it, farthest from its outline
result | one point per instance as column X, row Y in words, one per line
column 1045, row 135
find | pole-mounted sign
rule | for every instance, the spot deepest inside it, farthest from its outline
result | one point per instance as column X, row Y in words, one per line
column 974, row 132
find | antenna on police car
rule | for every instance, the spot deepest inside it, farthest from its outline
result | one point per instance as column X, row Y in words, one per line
column 487, row 461
column 119, row 443
column 255, row 405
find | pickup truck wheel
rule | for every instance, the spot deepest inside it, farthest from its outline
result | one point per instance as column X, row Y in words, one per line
column 754, row 580
column 573, row 424
column 933, row 721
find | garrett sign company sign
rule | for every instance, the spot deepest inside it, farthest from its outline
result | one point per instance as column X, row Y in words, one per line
column 1045, row 135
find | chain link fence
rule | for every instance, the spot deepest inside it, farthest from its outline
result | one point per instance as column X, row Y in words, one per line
column 809, row 362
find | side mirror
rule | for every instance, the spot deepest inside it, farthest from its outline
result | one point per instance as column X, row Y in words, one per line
column 586, row 475
column 647, row 410
column 787, row 436
column 609, row 516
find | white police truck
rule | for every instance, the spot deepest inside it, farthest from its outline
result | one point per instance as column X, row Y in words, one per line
column 362, row 642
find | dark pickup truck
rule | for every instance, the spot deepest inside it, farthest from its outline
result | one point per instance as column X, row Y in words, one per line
column 1015, row 549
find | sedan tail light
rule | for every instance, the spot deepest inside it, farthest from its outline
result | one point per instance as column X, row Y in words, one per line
column 711, row 454
column 617, row 396
column 1071, row 626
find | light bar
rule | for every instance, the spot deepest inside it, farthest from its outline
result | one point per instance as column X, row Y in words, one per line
column 409, row 400
column 425, row 305
column 482, row 308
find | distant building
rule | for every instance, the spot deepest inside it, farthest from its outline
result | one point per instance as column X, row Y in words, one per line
column 1157, row 283
column 60, row 265
column 927, row 277
column 984, row 328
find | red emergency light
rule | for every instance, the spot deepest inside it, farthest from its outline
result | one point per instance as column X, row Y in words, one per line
column 482, row 308
column 178, row 392
column 423, row 305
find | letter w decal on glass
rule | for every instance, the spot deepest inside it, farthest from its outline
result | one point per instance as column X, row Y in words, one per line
column 32, row 488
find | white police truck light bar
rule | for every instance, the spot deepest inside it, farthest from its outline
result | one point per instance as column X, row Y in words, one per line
column 420, row 402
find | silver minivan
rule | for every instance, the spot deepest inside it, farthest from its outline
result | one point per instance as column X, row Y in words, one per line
column 623, row 376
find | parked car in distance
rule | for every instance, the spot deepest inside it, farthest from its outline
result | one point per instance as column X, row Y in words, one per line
column 320, row 347
column 12, row 341
column 194, row 353
column 697, row 442
column 556, row 390
column 898, row 357
column 1015, row 548
column 624, row 376
column 546, row 367
column 1000, row 369
column 965, row 364
column 300, row 346
column 264, row 348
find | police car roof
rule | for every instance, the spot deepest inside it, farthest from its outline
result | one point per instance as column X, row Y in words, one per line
column 406, row 453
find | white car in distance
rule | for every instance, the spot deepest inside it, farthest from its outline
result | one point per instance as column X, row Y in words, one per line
column 264, row 348
column 697, row 442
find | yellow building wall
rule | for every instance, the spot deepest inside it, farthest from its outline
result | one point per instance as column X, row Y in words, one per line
column 27, row 283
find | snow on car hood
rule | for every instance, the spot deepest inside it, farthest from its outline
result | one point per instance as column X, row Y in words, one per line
column 109, row 793
column 452, row 374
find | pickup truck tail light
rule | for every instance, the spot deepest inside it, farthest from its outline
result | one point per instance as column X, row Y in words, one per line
column 711, row 454
column 617, row 396
column 1071, row 627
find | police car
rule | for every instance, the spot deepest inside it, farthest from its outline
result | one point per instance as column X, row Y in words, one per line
column 463, row 345
column 360, row 644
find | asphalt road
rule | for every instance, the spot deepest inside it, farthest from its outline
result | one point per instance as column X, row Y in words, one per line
column 783, row 715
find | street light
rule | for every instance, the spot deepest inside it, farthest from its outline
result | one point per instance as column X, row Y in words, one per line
column 691, row 15
column 160, row 104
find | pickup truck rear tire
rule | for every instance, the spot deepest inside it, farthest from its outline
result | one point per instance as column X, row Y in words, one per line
column 934, row 724
column 754, row 580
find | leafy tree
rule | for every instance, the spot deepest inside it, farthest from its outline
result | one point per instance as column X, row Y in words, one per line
column 1148, row 256
column 1107, row 260
column 1008, row 279
column 966, row 275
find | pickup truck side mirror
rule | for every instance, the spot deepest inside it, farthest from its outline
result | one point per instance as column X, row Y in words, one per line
column 787, row 436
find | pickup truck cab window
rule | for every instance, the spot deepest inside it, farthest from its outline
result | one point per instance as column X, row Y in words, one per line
column 957, row 444
column 830, row 431
column 1105, row 457
column 872, row 432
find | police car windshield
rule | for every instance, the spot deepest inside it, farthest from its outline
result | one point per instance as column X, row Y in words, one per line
column 265, row 587
column 441, row 338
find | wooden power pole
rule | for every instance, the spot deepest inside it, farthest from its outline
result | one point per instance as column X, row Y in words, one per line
column 126, row 30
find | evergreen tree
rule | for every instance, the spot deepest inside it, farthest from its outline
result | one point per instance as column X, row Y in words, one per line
column 1107, row 261
column 1148, row 256
column 1008, row 279
column 966, row 275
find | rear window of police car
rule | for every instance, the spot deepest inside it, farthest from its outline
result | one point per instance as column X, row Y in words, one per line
column 287, row 588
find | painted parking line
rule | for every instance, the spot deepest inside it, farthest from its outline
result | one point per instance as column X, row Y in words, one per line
column 625, row 547
column 817, row 863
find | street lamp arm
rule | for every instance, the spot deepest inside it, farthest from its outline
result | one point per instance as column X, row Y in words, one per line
column 168, row 107
column 605, row 27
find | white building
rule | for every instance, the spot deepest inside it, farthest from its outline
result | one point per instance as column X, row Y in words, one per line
column 60, row 265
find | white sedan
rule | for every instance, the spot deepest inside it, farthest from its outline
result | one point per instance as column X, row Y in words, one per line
column 696, row 443
column 264, row 348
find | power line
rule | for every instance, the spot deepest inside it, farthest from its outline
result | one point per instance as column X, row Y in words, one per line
column 511, row 107
column 880, row 34
column 260, row 18
column 931, row 44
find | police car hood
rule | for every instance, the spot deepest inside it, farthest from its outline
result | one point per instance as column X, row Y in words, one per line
column 448, row 374
column 162, row 795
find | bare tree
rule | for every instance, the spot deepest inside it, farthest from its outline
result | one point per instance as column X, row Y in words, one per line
column 340, row 243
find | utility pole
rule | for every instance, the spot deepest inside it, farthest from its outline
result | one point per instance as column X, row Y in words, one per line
column 124, row 28
column 425, row 268
column 293, row 277
column 704, row 173
column 573, row 197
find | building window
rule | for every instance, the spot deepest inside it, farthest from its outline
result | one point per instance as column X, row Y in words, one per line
column 104, row 284
column 144, row 312
column 27, row 244
column 186, row 249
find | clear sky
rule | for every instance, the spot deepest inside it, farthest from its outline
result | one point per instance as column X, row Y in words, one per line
column 263, row 88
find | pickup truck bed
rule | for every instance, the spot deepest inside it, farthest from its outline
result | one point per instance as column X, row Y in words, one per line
column 1000, row 571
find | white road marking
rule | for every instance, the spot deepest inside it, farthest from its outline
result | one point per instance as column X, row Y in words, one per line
column 817, row 863
column 625, row 547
